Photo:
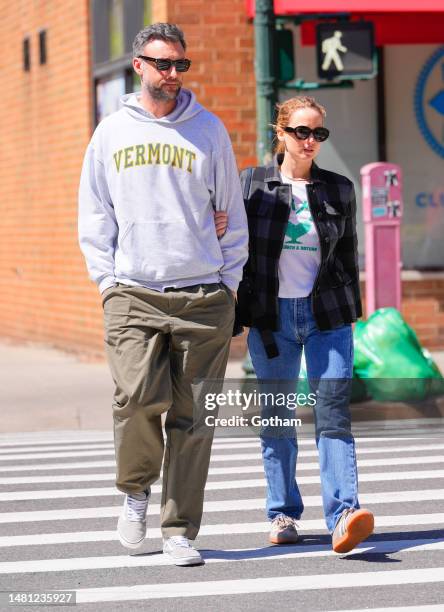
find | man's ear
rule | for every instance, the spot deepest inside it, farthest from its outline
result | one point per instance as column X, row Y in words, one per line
column 137, row 65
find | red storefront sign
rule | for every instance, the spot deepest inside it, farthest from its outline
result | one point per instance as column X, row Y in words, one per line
column 396, row 22
column 293, row 7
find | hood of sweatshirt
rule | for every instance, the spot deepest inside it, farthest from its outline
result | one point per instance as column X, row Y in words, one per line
column 186, row 107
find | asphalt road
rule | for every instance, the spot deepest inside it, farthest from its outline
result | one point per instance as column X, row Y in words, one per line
column 58, row 511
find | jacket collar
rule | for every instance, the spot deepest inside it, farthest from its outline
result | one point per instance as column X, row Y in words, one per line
column 272, row 171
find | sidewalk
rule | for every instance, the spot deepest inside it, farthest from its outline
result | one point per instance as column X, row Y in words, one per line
column 44, row 389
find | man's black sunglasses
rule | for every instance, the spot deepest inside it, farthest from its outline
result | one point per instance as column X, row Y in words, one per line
column 302, row 132
column 182, row 65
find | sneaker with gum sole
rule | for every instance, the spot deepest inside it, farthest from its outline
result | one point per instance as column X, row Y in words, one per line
column 283, row 530
column 352, row 528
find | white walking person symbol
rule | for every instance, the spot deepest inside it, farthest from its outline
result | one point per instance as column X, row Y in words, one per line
column 331, row 47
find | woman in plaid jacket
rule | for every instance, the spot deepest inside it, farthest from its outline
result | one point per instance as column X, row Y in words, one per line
column 300, row 291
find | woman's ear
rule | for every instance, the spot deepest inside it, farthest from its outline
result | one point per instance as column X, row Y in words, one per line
column 280, row 134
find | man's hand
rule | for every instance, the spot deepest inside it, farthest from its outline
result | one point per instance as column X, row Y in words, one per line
column 221, row 222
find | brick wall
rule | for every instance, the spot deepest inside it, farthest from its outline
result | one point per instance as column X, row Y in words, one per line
column 46, row 123
column 422, row 306
column 423, row 309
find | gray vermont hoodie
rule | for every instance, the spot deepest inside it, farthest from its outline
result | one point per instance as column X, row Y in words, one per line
column 147, row 193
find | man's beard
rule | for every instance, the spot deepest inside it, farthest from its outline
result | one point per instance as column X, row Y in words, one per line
column 160, row 94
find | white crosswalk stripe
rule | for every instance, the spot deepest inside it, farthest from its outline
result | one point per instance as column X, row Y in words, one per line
column 432, row 608
column 209, row 530
column 310, row 501
column 211, row 485
column 407, row 497
column 98, row 451
column 238, row 469
column 227, row 556
column 69, row 444
column 215, row 457
column 261, row 585
column 232, row 457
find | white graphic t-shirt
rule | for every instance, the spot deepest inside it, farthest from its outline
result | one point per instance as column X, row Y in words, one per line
column 301, row 254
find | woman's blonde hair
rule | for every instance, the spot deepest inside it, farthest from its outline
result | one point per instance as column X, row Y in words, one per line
column 287, row 108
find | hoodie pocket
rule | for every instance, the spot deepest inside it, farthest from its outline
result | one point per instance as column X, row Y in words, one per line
column 159, row 250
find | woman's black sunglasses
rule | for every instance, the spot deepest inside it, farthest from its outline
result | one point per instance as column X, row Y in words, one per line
column 182, row 65
column 302, row 132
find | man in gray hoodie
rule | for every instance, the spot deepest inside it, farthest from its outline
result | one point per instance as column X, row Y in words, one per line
column 153, row 174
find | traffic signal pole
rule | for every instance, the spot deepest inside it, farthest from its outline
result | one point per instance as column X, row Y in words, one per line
column 266, row 94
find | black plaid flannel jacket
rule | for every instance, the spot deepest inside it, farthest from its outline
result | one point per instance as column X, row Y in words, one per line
column 335, row 296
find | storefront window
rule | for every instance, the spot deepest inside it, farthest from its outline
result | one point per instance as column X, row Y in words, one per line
column 115, row 24
column 108, row 94
column 415, row 141
column 117, row 42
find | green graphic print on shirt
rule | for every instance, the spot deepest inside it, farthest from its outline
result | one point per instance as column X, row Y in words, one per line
column 299, row 224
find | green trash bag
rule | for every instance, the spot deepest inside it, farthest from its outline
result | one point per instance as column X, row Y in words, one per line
column 390, row 360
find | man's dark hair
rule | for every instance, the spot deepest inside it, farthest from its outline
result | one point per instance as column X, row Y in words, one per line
column 158, row 31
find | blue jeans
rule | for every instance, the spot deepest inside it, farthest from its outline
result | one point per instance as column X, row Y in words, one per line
column 329, row 361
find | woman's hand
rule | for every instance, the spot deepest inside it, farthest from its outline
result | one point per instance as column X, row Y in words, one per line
column 221, row 222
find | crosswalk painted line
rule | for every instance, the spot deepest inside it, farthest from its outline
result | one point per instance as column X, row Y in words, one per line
column 56, row 436
column 211, row 486
column 211, row 530
column 109, row 450
column 431, row 608
column 225, row 505
column 224, row 444
column 260, row 585
column 81, row 439
column 68, row 447
column 217, row 506
column 14, row 451
column 271, row 553
column 241, row 469
column 56, row 455
column 372, row 450
column 221, row 457
column 20, row 444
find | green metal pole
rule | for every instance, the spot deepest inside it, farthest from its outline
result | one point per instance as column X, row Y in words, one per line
column 264, row 28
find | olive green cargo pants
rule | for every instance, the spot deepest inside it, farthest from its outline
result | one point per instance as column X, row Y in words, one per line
column 156, row 344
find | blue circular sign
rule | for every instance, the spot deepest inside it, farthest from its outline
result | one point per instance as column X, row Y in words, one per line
column 429, row 101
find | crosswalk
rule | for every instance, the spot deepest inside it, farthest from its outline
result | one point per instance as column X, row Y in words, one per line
column 58, row 510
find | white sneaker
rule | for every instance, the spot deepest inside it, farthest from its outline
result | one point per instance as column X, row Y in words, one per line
column 180, row 552
column 131, row 526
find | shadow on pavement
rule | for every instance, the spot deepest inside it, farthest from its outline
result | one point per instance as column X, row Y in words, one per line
column 375, row 550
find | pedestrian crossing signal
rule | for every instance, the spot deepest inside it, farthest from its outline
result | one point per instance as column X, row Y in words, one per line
column 345, row 50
